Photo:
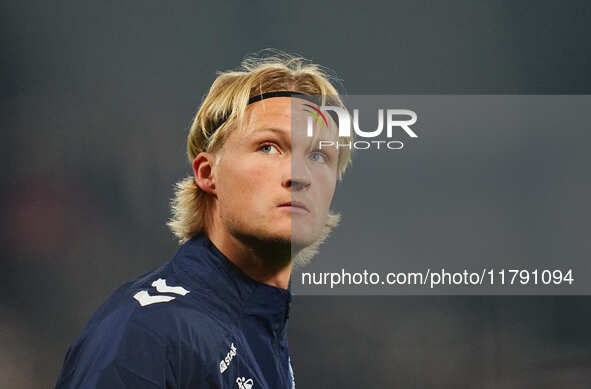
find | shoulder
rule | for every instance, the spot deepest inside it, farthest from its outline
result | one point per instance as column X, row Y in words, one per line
column 161, row 303
column 142, row 333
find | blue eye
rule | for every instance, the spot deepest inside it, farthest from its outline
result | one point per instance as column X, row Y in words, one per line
column 269, row 149
column 318, row 157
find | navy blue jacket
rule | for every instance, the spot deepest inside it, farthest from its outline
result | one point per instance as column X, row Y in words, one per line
column 196, row 322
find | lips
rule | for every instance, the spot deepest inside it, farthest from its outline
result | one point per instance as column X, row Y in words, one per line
column 295, row 204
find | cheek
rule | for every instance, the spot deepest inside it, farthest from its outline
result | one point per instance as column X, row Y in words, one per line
column 326, row 183
column 243, row 180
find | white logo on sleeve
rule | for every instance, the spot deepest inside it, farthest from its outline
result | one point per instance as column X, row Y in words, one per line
column 161, row 287
column 144, row 298
column 244, row 383
column 225, row 363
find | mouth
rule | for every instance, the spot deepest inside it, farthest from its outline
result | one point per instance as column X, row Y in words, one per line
column 295, row 205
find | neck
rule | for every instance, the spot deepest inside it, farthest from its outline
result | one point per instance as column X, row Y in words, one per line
column 268, row 262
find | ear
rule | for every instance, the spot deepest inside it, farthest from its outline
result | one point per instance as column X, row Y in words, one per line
column 203, row 171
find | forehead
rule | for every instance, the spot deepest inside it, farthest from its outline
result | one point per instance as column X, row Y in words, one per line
column 276, row 110
column 286, row 114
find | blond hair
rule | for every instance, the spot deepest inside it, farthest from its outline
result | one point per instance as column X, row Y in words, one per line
column 226, row 102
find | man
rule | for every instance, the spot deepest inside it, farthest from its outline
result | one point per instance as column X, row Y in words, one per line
column 215, row 316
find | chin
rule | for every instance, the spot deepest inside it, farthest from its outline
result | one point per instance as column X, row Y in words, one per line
column 290, row 234
column 275, row 235
column 303, row 236
column 292, row 238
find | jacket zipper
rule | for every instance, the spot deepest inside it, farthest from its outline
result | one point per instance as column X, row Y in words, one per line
column 276, row 353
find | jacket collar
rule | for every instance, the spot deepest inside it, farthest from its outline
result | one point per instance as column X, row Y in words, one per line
column 203, row 262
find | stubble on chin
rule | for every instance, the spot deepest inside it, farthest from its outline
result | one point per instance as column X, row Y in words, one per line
column 273, row 246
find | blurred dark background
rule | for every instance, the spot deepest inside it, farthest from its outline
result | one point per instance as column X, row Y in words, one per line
column 96, row 103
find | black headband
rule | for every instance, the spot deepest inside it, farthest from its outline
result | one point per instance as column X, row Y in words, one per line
column 283, row 93
column 267, row 95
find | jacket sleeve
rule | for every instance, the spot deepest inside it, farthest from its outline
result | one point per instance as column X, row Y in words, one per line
column 125, row 357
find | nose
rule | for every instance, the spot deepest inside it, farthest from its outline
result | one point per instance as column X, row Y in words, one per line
column 297, row 184
column 297, row 178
